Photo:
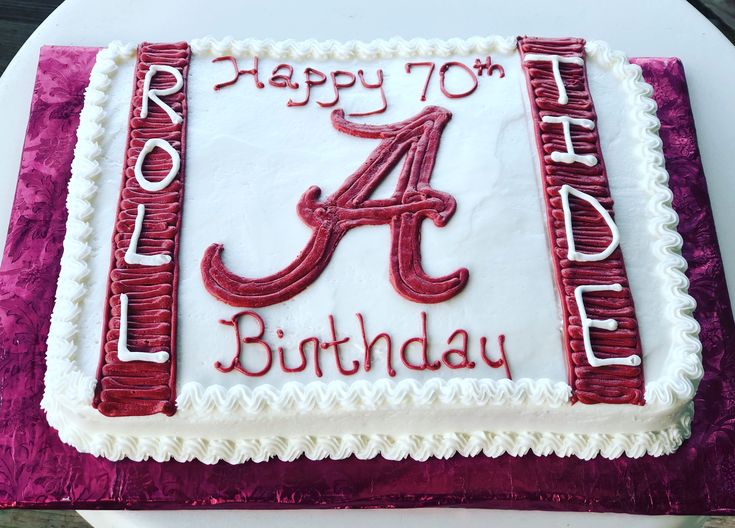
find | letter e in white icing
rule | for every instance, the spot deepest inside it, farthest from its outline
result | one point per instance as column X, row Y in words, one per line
column 123, row 354
column 570, row 156
column 175, row 164
column 572, row 253
column 153, row 93
column 555, row 60
column 605, row 324
column 132, row 256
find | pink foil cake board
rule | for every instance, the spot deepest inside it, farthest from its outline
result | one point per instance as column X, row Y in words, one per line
column 37, row 470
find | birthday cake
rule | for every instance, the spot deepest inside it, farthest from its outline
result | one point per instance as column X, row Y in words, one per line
column 396, row 248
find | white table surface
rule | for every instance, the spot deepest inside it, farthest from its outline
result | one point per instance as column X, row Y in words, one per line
column 639, row 27
column 416, row 518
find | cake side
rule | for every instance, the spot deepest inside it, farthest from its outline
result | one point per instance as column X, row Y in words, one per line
column 449, row 405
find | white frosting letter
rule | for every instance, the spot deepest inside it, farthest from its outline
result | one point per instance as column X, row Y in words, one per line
column 132, row 256
column 555, row 60
column 123, row 354
column 570, row 156
column 605, row 324
column 153, row 94
column 572, row 253
column 175, row 164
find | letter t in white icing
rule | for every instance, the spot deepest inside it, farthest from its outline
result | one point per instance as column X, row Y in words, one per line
column 153, row 93
column 555, row 60
column 606, row 324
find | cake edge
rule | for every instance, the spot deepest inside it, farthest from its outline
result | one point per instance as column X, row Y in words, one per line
column 66, row 387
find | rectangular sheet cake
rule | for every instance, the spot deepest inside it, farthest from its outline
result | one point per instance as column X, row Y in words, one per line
column 397, row 248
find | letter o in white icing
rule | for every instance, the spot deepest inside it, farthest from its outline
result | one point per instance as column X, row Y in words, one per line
column 175, row 161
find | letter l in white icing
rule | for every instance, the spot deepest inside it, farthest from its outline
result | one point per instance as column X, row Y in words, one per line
column 606, row 324
column 570, row 156
column 132, row 256
column 572, row 253
column 123, row 354
column 175, row 165
column 153, row 93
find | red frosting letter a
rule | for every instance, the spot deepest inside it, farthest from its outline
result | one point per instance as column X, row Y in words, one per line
column 415, row 140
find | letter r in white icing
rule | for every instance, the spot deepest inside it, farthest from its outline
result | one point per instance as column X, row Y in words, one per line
column 175, row 165
column 123, row 354
column 555, row 60
column 153, row 93
column 572, row 253
column 132, row 256
column 606, row 324
column 570, row 156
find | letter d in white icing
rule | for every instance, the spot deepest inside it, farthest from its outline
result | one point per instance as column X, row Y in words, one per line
column 123, row 354
column 606, row 324
column 572, row 253
column 153, row 93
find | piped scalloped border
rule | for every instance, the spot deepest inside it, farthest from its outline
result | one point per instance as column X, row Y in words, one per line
column 383, row 394
column 67, row 386
column 63, row 377
column 684, row 369
column 398, row 447
column 332, row 49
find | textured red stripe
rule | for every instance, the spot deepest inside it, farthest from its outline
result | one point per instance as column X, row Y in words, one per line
column 138, row 388
column 606, row 384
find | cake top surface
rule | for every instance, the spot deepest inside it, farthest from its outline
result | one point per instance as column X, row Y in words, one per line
column 471, row 321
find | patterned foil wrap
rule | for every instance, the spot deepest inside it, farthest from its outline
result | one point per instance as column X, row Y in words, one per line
column 37, row 470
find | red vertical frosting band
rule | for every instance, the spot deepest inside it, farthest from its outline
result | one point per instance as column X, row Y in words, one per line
column 137, row 385
column 619, row 383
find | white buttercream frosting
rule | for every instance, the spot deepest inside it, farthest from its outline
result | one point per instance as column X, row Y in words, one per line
column 684, row 364
column 64, row 379
column 227, row 418
column 344, row 51
column 572, row 253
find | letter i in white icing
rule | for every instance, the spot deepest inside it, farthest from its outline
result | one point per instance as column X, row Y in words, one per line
column 570, row 156
column 605, row 324
column 153, row 93
column 572, row 253
column 123, row 353
column 132, row 256
column 555, row 60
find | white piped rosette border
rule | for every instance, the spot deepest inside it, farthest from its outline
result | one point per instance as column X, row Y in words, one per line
column 68, row 389
column 391, row 447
